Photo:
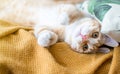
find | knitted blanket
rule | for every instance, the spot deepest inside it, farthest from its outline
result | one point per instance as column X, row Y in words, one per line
column 20, row 54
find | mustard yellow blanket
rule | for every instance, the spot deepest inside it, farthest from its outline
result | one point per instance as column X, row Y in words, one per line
column 20, row 54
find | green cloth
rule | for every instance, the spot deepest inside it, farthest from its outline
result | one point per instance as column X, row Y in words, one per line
column 99, row 8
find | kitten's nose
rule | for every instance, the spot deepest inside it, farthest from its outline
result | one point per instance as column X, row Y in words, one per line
column 84, row 37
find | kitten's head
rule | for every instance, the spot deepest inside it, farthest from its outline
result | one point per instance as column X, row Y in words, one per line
column 91, row 38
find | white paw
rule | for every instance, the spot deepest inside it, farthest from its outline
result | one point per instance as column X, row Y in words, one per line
column 47, row 38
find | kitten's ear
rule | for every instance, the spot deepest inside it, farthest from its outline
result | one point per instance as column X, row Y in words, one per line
column 110, row 41
column 103, row 50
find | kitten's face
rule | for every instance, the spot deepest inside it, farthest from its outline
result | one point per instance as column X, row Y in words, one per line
column 90, row 38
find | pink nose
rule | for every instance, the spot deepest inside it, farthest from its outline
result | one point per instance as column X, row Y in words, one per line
column 84, row 37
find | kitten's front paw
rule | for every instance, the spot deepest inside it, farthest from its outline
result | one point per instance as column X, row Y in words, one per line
column 47, row 38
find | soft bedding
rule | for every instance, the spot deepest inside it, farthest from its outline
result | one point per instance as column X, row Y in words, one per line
column 20, row 54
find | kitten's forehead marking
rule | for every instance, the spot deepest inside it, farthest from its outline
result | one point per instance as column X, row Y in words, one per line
column 84, row 31
column 87, row 28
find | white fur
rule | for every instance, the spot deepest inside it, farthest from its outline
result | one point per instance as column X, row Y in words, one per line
column 44, row 38
column 84, row 27
column 51, row 24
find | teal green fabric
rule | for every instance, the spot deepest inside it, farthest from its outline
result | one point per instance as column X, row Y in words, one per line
column 94, row 3
column 100, row 7
column 100, row 11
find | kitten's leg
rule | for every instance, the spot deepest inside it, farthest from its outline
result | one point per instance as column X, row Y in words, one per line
column 46, row 38
column 68, row 14
column 63, row 19
column 72, row 12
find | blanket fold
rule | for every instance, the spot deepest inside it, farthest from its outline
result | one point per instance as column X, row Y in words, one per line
column 20, row 54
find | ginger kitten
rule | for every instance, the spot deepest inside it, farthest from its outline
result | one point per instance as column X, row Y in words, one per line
column 60, row 23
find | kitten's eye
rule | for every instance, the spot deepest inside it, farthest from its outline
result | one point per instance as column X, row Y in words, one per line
column 85, row 47
column 95, row 34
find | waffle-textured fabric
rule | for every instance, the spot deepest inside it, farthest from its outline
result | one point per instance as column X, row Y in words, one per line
column 20, row 54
